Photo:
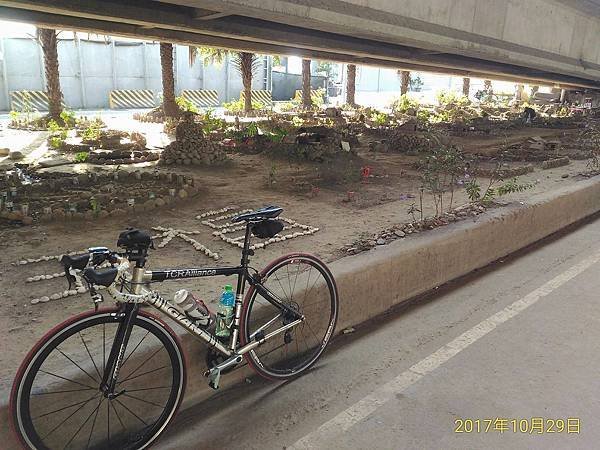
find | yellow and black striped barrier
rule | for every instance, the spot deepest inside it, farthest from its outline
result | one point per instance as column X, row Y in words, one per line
column 263, row 96
column 201, row 98
column 131, row 98
column 29, row 101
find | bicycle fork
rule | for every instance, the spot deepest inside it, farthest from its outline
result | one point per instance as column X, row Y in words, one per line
column 117, row 352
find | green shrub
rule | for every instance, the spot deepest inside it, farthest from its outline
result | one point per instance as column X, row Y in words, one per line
column 404, row 103
column 186, row 105
column 81, row 157
column 237, row 106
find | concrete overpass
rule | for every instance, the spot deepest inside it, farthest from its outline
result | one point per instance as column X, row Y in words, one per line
column 555, row 41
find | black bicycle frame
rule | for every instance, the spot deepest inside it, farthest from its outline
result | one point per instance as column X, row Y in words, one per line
column 142, row 277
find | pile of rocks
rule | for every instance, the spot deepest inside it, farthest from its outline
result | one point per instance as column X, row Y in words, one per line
column 65, row 196
column 401, row 231
column 191, row 147
column 534, row 148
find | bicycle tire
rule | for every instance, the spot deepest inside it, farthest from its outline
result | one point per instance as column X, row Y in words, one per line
column 21, row 393
column 276, row 368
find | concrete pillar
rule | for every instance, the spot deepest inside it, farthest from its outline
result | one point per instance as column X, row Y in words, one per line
column 563, row 95
column 145, row 64
column 113, row 58
column 81, row 72
column 519, row 92
column 466, row 90
column 487, row 86
column 4, row 74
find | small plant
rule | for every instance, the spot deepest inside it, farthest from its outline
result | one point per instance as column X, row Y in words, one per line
column 491, row 192
column 211, row 123
column 412, row 209
column 276, row 135
column 58, row 134
column 237, row 106
column 272, row 176
column 68, row 118
column 379, row 118
column 186, row 105
column 92, row 132
column 14, row 117
column 81, row 157
column 451, row 98
column 404, row 103
column 297, row 121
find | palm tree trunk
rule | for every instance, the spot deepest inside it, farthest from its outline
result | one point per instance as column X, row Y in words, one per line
column 405, row 81
column 306, row 100
column 466, row 86
column 351, row 85
column 170, row 107
column 246, row 63
column 47, row 38
column 487, row 86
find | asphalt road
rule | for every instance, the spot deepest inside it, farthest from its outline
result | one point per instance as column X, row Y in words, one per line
column 505, row 358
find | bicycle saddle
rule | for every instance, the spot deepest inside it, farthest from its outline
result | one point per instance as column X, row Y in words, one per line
column 268, row 212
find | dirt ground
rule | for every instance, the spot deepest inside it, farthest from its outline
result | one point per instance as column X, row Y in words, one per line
column 244, row 182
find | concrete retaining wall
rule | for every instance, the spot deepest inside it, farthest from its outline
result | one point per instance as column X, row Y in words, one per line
column 412, row 266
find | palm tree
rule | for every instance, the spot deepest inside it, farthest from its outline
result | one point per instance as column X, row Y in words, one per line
column 306, row 98
column 351, row 85
column 48, row 41
column 404, row 81
column 245, row 62
column 466, row 86
column 170, row 108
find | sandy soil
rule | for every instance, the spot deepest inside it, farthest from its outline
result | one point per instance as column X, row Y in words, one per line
column 381, row 202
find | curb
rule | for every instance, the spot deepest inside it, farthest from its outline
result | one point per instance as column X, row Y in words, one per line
column 413, row 266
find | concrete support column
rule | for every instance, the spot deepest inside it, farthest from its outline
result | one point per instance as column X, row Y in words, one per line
column 563, row 95
column 519, row 88
column 113, row 58
column 466, row 90
column 145, row 64
column 4, row 74
column 81, row 72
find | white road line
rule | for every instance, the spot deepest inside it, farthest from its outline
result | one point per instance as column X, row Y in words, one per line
column 367, row 405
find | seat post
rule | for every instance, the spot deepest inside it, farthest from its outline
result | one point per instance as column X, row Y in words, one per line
column 245, row 251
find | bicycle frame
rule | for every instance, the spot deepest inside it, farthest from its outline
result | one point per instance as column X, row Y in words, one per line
column 141, row 278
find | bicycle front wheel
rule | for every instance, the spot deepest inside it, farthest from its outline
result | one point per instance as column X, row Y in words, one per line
column 301, row 282
column 56, row 399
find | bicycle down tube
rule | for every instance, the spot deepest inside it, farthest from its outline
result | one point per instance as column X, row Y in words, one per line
column 141, row 277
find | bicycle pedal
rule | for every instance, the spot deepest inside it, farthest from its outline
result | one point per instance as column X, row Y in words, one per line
column 214, row 376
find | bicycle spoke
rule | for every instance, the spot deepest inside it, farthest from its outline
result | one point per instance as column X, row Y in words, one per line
column 141, row 365
column 83, row 424
column 94, row 424
column 135, row 348
column 65, row 407
column 118, row 417
column 77, row 365
column 130, row 411
column 90, row 355
column 142, row 374
column 142, row 400
column 69, row 416
column 67, row 379
column 63, row 392
column 149, row 389
column 103, row 346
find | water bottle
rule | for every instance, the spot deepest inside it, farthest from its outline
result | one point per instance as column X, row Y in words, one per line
column 225, row 312
column 195, row 309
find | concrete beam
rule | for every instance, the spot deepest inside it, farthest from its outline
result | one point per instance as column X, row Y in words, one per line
column 178, row 24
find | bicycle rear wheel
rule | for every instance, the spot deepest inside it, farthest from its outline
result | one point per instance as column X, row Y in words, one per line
column 56, row 400
column 305, row 284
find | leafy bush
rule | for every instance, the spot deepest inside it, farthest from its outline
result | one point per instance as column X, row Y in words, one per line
column 404, row 103
column 91, row 133
column 81, row 157
column 379, row 118
column 186, row 105
column 451, row 98
column 68, row 118
column 237, row 106
column 211, row 123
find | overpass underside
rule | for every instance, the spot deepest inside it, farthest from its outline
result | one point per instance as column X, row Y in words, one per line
column 541, row 41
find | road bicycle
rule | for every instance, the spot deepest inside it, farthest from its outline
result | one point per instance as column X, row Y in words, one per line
column 115, row 377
